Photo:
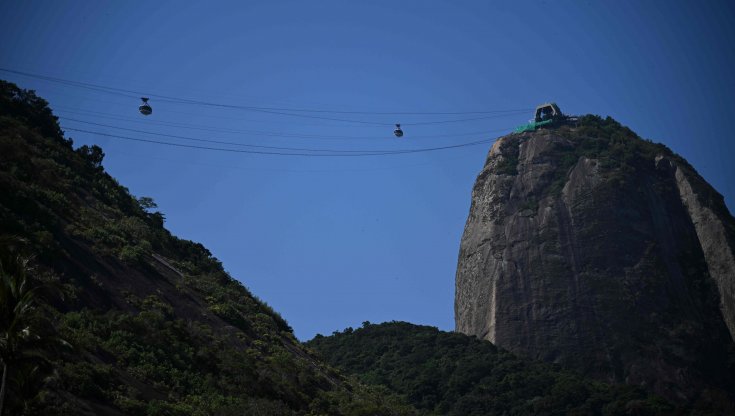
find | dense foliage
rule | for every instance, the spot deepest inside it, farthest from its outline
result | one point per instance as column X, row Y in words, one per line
column 27, row 338
column 447, row 373
column 156, row 326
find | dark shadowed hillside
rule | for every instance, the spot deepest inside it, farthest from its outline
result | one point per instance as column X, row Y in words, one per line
column 156, row 326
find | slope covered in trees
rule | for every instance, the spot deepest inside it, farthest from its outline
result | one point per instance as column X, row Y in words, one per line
column 444, row 373
column 154, row 324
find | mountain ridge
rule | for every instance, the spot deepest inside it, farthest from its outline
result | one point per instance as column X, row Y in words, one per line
column 580, row 249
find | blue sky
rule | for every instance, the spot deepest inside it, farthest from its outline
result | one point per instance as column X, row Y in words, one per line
column 333, row 241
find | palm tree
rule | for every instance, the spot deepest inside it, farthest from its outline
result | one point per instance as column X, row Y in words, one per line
column 29, row 379
column 18, row 301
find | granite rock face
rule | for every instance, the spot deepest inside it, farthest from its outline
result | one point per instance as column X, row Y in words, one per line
column 594, row 249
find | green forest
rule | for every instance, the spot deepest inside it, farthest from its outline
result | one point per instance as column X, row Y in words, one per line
column 444, row 373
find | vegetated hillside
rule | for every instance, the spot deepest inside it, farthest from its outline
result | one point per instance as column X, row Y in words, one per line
column 589, row 247
column 444, row 373
column 156, row 326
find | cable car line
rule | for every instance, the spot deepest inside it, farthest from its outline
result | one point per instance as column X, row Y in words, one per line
column 270, row 110
column 218, row 148
column 179, row 162
column 232, row 131
column 62, row 109
column 384, row 113
column 109, row 90
column 365, row 153
column 499, row 115
column 146, row 109
column 164, row 98
column 216, row 141
column 344, row 120
column 212, row 129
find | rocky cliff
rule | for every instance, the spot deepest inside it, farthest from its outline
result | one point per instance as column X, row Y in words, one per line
column 592, row 248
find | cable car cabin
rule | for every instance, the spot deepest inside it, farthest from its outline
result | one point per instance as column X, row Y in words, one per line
column 398, row 132
column 145, row 108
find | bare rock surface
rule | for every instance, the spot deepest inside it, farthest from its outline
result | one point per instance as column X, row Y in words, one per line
column 594, row 249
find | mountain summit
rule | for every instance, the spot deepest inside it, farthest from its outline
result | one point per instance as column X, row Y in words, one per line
column 592, row 248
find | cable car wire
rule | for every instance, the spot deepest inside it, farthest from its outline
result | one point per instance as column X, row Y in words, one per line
column 174, row 136
column 266, row 110
column 212, row 129
column 100, row 88
column 365, row 153
column 170, row 111
column 291, row 112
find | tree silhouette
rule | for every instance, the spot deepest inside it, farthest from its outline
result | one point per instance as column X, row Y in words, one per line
column 94, row 155
column 23, row 342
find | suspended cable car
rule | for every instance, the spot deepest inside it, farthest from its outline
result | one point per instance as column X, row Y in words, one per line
column 144, row 108
column 398, row 132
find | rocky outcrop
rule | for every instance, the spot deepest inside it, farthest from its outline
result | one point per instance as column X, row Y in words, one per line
column 715, row 231
column 602, row 252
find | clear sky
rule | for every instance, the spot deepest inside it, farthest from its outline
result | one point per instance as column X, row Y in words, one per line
column 331, row 242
